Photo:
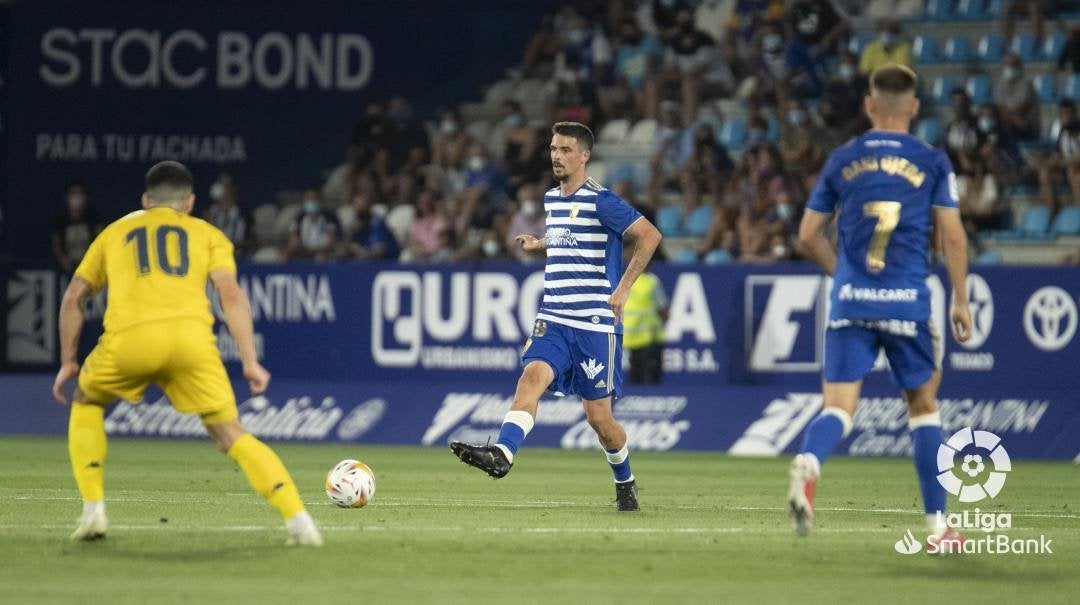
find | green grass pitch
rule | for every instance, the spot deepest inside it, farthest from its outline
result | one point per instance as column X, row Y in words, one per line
column 186, row 529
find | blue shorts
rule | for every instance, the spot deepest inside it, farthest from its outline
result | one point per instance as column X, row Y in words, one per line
column 851, row 347
column 585, row 363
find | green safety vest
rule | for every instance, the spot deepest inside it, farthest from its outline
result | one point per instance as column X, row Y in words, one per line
column 642, row 325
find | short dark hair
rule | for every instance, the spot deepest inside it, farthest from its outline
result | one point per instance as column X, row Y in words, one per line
column 1066, row 103
column 893, row 79
column 168, row 180
column 577, row 130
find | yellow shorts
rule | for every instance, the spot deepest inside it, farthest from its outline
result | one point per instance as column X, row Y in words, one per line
column 179, row 355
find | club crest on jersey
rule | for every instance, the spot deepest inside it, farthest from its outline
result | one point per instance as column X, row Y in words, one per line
column 592, row 369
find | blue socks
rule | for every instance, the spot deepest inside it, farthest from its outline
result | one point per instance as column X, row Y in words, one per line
column 516, row 425
column 926, row 438
column 620, row 464
column 824, row 432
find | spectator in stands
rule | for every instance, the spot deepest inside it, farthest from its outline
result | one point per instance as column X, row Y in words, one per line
column 1070, row 53
column 636, row 57
column 961, row 137
column 315, row 233
column 686, row 57
column 800, row 140
column 769, row 83
column 225, row 214
column 667, row 153
column 999, row 143
column 889, row 47
column 980, row 201
column 74, row 228
column 570, row 95
column 527, row 220
column 1033, row 9
column 450, row 143
column 484, row 196
column 818, row 27
column 429, row 232
column 518, row 145
column 1064, row 162
column 843, row 99
column 408, row 139
column 706, row 164
column 1016, row 99
column 541, row 50
column 370, row 239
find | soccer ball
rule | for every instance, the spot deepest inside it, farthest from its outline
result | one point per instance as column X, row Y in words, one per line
column 350, row 484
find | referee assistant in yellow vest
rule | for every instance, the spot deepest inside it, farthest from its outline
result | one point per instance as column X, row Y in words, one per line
column 643, row 329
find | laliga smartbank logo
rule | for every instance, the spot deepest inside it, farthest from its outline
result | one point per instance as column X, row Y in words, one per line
column 973, row 466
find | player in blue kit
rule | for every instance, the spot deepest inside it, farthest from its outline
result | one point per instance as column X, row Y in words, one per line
column 887, row 189
column 576, row 343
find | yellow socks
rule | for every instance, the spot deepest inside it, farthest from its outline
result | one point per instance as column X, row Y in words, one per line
column 267, row 474
column 87, row 448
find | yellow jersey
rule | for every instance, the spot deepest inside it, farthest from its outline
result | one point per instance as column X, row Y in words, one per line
column 156, row 263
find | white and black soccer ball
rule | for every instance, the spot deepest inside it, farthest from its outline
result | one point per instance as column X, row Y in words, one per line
column 350, row 484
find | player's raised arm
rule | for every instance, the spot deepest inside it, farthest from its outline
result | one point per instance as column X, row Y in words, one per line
column 238, row 317
column 815, row 244
column 646, row 238
column 954, row 244
column 71, row 323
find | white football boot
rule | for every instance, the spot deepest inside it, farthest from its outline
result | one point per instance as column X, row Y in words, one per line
column 302, row 531
column 92, row 525
column 804, row 474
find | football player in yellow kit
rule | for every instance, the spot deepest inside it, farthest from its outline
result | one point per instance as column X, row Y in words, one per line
column 158, row 329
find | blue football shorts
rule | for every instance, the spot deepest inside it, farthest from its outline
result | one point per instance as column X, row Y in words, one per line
column 913, row 348
column 585, row 363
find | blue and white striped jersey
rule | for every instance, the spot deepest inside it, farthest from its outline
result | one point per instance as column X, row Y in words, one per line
column 584, row 256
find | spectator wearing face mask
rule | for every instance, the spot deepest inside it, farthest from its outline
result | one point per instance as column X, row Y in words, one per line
column 800, row 140
column 226, row 214
column 1016, row 98
column 843, row 99
column 889, row 47
column 520, row 146
column 370, row 239
column 74, row 228
column 406, row 135
column 999, row 151
column 817, row 25
column 637, row 54
column 484, row 196
column 706, row 164
column 667, row 152
column 686, row 58
column 528, row 220
column 315, row 233
column 429, row 232
column 451, row 141
column 962, row 137
column 1064, row 162
column 571, row 96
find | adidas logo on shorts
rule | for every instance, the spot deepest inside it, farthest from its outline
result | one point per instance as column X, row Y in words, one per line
column 601, row 384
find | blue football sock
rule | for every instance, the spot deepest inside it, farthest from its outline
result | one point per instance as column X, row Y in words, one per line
column 824, row 432
column 926, row 438
column 620, row 464
column 516, row 425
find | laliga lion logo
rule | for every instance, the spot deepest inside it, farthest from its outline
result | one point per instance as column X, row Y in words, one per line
column 1050, row 318
column 976, row 447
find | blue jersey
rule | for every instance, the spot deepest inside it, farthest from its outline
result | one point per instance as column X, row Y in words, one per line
column 884, row 186
column 584, row 256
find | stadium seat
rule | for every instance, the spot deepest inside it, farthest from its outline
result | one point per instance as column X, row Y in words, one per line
column 990, row 257
column 499, row 92
column 614, row 131
column 929, row 129
column 686, row 256
column 643, row 132
column 970, row 10
column 622, row 172
column 990, row 48
column 669, row 221
column 925, row 49
column 956, row 50
column 1052, row 46
column 939, row 10
column 1035, row 221
column 529, row 91
column 1024, row 45
column 598, row 171
column 480, row 131
column 263, row 222
column 717, row 257
column 284, row 220
column 346, row 216
column 1067, row 222
column 941, row 89
column 993, row 9
column 978, row 88
column 733, row 134
column 699, row 220
column 1071, row 89
column 398, row 220
column 268, row 255
column 1044, row 88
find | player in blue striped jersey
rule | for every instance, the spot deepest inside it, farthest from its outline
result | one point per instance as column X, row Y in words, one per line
column 576, row 344
column 888, row 189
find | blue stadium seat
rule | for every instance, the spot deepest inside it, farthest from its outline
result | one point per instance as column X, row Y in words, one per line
column 1044, row 88
column 699, row 220
column 773, row 130
column 1035, row 221
column 978, row 88
column 971, row 10
column 993, row 9
column 620, row 173
column 686, row 256
column 956, row 50
column 990, row 257
column 939, row 10
column 856, row 44
column 929, row 129
column 1071, row 90
column 669, row 221
column 990, row 48
column 941, row 89
column 1067, row 222
column 925, row 49
column 1024, row 45
column 1052, row 46
column 733, row 134
column 717, row 257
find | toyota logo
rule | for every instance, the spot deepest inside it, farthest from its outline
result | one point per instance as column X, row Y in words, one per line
column 1050, row 318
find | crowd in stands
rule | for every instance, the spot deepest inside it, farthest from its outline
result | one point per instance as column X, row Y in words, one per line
column 442, row 189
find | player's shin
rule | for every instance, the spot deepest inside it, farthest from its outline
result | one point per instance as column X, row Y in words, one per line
column 825, row 432
column 926, row 437
column 267, row 474
column 87, row 448
column 515, row 427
